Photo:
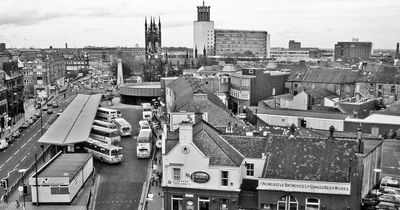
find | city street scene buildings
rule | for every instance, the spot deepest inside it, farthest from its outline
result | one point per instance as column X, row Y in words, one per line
column 223, row 105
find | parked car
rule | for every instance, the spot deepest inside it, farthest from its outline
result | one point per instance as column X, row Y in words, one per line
column 30, row 121
column 388, row 182
column 242, row 116
column 55, row 104
column 387, row 205
column 50, row 111
column 38, row 114
column 10, row 139
column 25, row 125
column 45, row 108
column 3, row 144
column 34, row 118
column 390, row 195
column 16, row 134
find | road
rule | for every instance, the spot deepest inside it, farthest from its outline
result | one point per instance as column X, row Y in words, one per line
column 121, row 185
column 21, row 153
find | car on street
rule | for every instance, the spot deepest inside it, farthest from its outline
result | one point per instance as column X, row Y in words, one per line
column 16, row 134
column 388, row 182
column 30, row 121
column 3, row 144
column 50, row 111
column 10, row 139
column 242, row 116
column 34, row 118
column 45, row 108
column 38, row 114
column 390, row 195
column 55, row 104
column 25, row 125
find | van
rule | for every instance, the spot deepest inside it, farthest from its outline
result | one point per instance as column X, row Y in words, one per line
column 389, row 182
column 3, row 144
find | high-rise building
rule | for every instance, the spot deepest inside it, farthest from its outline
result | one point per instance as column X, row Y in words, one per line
column 353, row 50
column 152, row 38
column 210, row 41
column 293, row 45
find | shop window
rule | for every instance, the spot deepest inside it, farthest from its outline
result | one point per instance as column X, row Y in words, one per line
column 204, row 203
column 59, row 190
column 312, row 204
column 224, row 178
column 287, row 203
column 177, row 201
column 177, row 173
column 223, row 204
column 250, row 169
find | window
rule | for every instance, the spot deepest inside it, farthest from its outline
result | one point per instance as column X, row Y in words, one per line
column 177, row 201
column 295, row 85
column 204, row 203
column 312, row 204
column 379, row 86
column 224, row 178
column 177, row 173
column 223, row 204
column 392, row 89
column 250, row 169
column 59, row 190
column 287, row 203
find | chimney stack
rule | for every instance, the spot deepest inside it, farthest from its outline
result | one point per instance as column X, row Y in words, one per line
column 185, row 132
column 331, row 131
column 198, row 117
column 397, row 51
column 360, row 142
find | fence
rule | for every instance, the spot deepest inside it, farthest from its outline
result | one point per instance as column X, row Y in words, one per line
column 29, row 170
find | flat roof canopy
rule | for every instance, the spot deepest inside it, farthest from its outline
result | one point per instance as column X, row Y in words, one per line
column 74, row 124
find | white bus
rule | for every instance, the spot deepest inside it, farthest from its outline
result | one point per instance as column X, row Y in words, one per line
column 144, row 144
column 106, row 135
column 144, row 125
column 102, row 151
column 123, row 126
column 147, row 111
column 104, row 124
column 106, row 114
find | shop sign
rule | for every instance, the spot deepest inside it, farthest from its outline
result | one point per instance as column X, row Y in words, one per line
column 178, row 182
column 338, row 188
column 200, row 177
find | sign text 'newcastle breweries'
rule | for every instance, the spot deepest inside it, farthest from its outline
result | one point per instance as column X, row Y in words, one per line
column 338, row 188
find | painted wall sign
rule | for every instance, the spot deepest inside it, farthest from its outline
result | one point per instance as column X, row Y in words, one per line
column 200, row 177
column 338, row 188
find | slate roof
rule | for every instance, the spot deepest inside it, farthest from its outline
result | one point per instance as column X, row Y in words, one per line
column 301, row 113
column 209, row 141
column 313, row 159
column 381, row 74
column 171, row 140
column 320, row 93
column 324, row 75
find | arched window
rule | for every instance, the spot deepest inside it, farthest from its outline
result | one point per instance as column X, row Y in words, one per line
column 287, row 202
column 312, row 204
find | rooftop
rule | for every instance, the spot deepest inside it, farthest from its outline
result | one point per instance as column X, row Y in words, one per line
column 301, row 113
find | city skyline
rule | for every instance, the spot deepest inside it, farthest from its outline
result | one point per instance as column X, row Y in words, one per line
column 121, row 23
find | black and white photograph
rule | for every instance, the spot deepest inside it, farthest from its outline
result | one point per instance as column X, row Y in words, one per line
column 200, row 105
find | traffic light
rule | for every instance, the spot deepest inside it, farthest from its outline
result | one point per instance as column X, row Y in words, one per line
column 4, row 184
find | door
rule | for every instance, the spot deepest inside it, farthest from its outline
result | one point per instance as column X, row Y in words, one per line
column 375, row 131
column 287, row 202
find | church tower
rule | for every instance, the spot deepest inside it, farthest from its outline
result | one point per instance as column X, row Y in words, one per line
column 152, row 38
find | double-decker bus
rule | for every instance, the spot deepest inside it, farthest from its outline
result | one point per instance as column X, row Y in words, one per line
column 104, row 124
column 144, row 125
column 102, row 151
column 106, row 135
column 106, row 114
column 123, row 126
column 144, row 144
column 147, row 111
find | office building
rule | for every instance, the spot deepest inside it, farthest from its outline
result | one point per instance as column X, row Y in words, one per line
column 293, row 45
column 226, row 42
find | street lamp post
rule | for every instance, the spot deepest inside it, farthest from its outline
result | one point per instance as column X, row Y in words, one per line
column 22, row 189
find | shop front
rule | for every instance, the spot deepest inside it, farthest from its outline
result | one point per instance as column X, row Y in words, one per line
column 303, row 195
column 196, row 199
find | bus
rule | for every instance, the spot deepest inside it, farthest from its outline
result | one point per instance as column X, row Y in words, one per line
column 102, row 151
column 106, row 135
column 147, row 111
column 106, row 114
column 104, row 124
column 123, row 126
column 144, row 144
column 144, row 125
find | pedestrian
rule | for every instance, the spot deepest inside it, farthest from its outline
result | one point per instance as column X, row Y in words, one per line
column 155, row 159
column 152, row 181
column 17, row 204
column 159, row 161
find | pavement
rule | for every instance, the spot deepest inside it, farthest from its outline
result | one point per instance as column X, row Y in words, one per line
column 155, row 195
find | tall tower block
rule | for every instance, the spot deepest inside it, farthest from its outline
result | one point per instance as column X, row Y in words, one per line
column 120, row 76
column 203, row 31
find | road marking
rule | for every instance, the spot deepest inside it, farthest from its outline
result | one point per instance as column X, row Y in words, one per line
column 24, row 158
column 16, row 166
column 29, row 139
column 2, row 166
column 23, row 145
column 8, row 159
column 16, row 152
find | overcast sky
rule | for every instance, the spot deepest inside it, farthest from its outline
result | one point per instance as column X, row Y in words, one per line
column 315, row 23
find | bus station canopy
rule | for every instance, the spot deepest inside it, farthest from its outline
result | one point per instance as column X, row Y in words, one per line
column 74, row 124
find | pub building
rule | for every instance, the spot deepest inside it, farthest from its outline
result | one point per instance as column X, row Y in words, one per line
column 201, row 171
column 207, row 170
